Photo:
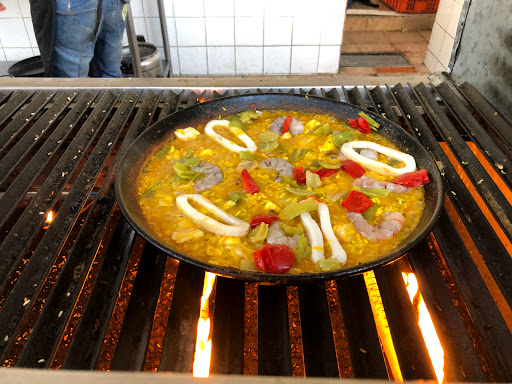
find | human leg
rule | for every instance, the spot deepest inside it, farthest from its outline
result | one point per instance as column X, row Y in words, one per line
column 75, row 36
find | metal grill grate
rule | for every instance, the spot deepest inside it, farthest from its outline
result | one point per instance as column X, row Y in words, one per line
column 87, row 293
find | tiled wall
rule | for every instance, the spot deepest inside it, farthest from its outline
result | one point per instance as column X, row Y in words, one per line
column 443, row 35
column 218, row 37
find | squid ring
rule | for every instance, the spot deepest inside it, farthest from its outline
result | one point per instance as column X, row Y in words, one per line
column 315, row 236
column 348, row 150
column 325, row 222
column 208, row 129
column 234, row 226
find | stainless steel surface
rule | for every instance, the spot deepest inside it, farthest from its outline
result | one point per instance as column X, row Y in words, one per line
column 132, row 42
column 165, row 39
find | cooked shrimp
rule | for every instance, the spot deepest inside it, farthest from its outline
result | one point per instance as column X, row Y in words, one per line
column 283, row 167
column 295, row 128
column 277, row 236
column 389, row 226
column 367, row 182
column 213, row 176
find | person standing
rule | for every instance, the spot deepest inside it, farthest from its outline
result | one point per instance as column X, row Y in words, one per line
column 80, row 38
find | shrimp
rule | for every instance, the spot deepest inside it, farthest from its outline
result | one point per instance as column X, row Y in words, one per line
column 295, row 128
column 213, row 176
column 367, row 182
column 369, row 153
column 389, row 226
column 277, row 236
column 283, row 167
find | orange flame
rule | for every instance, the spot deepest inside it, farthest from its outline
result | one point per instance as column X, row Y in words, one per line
column 435, row 350
column 201, row 366
column 49, row 219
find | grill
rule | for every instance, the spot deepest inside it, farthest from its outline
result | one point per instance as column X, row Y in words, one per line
column 85, row 292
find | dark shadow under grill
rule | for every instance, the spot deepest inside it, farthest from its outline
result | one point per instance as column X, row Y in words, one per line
column 85, row 292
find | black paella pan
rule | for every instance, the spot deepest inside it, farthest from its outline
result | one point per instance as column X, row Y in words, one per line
column 146, row 144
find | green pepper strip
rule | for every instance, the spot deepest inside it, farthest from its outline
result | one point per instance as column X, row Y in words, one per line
column 370, row 121
column 374, row 192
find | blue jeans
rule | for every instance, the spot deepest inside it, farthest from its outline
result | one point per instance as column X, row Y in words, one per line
column 88, row 36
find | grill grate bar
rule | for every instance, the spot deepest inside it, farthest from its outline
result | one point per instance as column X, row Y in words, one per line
column 24, row 117
column 88, row 339
column 52, row 321
column 365, row 351
column 383, row 105
column 14, row 103
column 354, row 97
column 3, row 97
column 180, row 336
column 484, row 142
column 33, row 135
column 486, row 316
column 228, row 327
column 461, row 356
column 17, row 189
column 483, row 182
column 407, row 338
column 20, row 236
column 37, row 268
column 273, row 331
column 494, row 252
column 317, row 338
column 495, row 120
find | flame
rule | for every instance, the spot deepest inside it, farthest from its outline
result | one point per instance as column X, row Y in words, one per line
column 381, row 323
column 435, row 350
column 201, row 366
column 49, row 219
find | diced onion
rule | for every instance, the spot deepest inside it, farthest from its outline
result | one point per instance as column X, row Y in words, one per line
column 325, row 222
column 348, row 150
column 234, row 226
column 208, row 129
column 187, row 134
column 316, row 240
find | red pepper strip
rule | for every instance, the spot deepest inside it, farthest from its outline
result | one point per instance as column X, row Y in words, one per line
column 299, row 174
column 363, row 125
column 264, row 218
column 248, row 182
column 274, row 258
column 286, row 124
column 324, row 172
column 413, row 179
column 353, row 123
column 352, row 168
column 357, row 202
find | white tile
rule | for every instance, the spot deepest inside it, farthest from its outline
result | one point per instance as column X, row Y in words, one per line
column 249, row 60
column 139, row 24
column 430, row 61
column 150, row 8
column 17, row 54
column 446, row 51
column 276, row 60
column 443, row 13
column 171, row 31
column 137, row 8
column 278, row 30
column 24, row 7
column 306, row 30
column 453, row 24
column 124, row 40
column 436, row 40
column 36, row 51
column 460, row 2
column 304, row 59
column 190, row 32
column 249, row 8
column 221, row 60
column 13, row 33
column 249, row 31
column 12, row 9
column 332, row 30
column 219, row 8
column 335, row 7
column 189, row 8
column 2, row 55
column 440, row 67
column 175, row 61
column 169, row 8
column 154, row 31
column 280, row 7
column 30, row 31
column 193, row 61
column 329, row 59
column 220, row 31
